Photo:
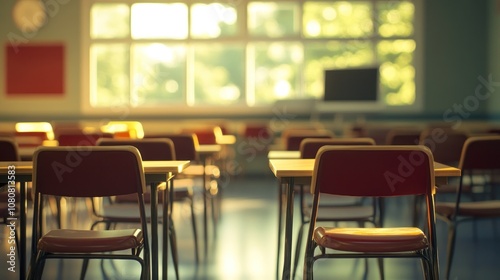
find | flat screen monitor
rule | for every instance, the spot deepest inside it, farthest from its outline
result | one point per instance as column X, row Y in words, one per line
column 351, row 90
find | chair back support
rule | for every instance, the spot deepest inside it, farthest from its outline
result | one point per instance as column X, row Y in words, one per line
column 309, row 147
column 90, row 172
column 373, row 171
column 258, row 131
column 481, row 152
column 8, row 149
column 205, row 136
column 446, row 144
column 403, row 137
column 292, row 142
column 80, row 138
column 480, row 158
column 150, row 149
column 184, row 143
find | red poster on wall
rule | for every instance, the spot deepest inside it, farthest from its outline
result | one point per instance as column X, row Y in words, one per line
column 35, row 69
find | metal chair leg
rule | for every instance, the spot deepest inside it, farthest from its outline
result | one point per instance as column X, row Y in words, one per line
column 173, row 247
column 195, row 232
column 451, row 247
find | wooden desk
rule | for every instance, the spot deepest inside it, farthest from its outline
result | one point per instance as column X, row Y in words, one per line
column 289, row 170
column 276, row 154
column 226, row 139
column 155, row 172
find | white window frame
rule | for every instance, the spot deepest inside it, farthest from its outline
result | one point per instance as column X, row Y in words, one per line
column 233, row 110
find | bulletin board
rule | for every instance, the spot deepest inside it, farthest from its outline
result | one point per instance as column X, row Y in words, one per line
column 34, row 69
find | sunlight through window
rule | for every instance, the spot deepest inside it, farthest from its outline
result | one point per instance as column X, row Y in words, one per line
column 155, row 20
column 109, row 20
column 213, row 20
column 247, row 53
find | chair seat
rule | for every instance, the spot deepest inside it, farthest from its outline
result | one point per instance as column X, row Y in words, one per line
column 400, row 239
column 489, row 208
column 88, row 241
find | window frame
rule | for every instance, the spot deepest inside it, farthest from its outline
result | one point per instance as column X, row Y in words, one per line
column 232, row 110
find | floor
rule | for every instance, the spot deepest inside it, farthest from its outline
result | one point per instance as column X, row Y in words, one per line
column 242, row 245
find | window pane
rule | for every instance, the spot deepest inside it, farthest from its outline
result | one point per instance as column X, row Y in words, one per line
column 337, row 19
column 273, row 19
column 395, row 18
column 159, row 74
column 397, row 72
column 109, row 75
column 213, row 20
column 218, row 74
column 330, row 55
column 277, row 71
column 155, row 20
column 254, row 52
column 109, row 20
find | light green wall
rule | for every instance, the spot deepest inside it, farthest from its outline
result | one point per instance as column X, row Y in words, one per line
column 455, row 54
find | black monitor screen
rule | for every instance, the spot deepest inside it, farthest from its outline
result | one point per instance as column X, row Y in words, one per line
column 359, row 84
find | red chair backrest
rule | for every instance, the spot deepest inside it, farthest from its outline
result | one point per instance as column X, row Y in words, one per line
column 403, row 137
column 481, row 152
column 309, row 147
column 80, row 138
column 88, row 172
column 257, row 131
column 184, row 143
column 8, row 149
column 205, row 137
column 150, row 149
column 292, row 141
column 445, row 144
column 373, row 170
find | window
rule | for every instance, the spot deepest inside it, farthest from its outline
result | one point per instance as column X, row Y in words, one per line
column 194, row 55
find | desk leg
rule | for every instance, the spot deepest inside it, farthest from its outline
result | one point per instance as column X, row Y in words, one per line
column 205, row 205
column 167, row 205
column 154, row 231
column 288, row 230
column 23, row 204
column 280, row 222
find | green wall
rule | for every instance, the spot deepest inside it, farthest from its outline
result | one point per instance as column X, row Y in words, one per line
column 456, row 35
column 456, row 50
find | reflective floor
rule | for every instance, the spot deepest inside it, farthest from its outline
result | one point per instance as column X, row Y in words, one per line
column 243, row 244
